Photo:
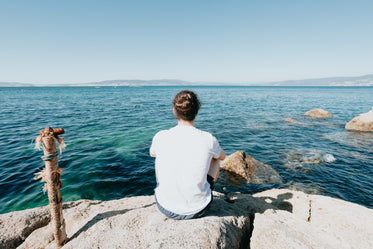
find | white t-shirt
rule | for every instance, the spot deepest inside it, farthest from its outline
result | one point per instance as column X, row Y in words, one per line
column 183, row 158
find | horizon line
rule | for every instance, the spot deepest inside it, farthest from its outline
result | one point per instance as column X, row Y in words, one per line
column 176, row 82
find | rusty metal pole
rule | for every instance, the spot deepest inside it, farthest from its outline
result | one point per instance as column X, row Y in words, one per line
column 53, row 182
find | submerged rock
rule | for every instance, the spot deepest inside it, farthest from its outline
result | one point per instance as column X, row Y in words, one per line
column 363, row 122
column 318, row 113
column 293, row 121
column 249, row 168
column 304, row 157
column 290, row 120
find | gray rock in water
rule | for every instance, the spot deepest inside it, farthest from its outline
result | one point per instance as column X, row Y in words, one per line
column 249, row 168
column 363, row 122
column 318, row 113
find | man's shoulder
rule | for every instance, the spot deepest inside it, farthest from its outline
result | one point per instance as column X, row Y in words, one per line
column 161, row 133
column 206, row 134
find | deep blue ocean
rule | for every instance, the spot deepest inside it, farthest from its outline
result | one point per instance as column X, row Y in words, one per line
column 108, row 132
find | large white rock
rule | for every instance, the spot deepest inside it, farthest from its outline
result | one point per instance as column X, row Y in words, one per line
column 315, row 221
column 277, row 218
column 15, row 227
column 136, row 223
column 318, row 113
column 363, row 122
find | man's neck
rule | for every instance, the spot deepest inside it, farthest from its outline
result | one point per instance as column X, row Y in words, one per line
column 185, row 122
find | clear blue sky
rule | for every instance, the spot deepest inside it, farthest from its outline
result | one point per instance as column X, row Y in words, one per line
column 225, row 41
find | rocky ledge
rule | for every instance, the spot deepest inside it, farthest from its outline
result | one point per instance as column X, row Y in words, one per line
column 277, row 218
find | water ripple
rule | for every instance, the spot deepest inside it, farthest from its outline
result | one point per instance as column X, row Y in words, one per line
column 109, row 132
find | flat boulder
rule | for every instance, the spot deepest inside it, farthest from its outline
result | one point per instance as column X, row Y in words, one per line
column 250, row 169
column 363, row 122
column 318, row 113
column 136, row 222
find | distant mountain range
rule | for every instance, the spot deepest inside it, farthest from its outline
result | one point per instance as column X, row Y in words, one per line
column 366, row 80
column 15, row 84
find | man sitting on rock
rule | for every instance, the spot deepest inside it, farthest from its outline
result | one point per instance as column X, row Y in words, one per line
column 186, row 164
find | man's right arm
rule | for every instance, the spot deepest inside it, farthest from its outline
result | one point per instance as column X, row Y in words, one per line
column 215, row 166
column 221, row 156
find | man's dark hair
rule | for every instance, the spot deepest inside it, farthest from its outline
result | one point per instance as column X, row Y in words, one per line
column 186, row 104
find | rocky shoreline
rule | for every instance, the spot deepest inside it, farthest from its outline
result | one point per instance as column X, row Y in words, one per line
column 277, row 218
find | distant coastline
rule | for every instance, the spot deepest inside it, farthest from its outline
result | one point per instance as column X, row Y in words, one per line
column 365, row 80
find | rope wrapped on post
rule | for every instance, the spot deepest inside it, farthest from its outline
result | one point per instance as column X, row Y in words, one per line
column 51, row 175
column 49, row 156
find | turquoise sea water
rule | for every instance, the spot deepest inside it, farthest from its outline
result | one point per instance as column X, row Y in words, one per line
column 109, row 132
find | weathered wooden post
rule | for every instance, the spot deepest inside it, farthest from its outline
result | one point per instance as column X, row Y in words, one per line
column 51, row 175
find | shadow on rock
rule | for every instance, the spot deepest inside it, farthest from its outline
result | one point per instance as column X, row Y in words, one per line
column 102, row 216
column 237, row 204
